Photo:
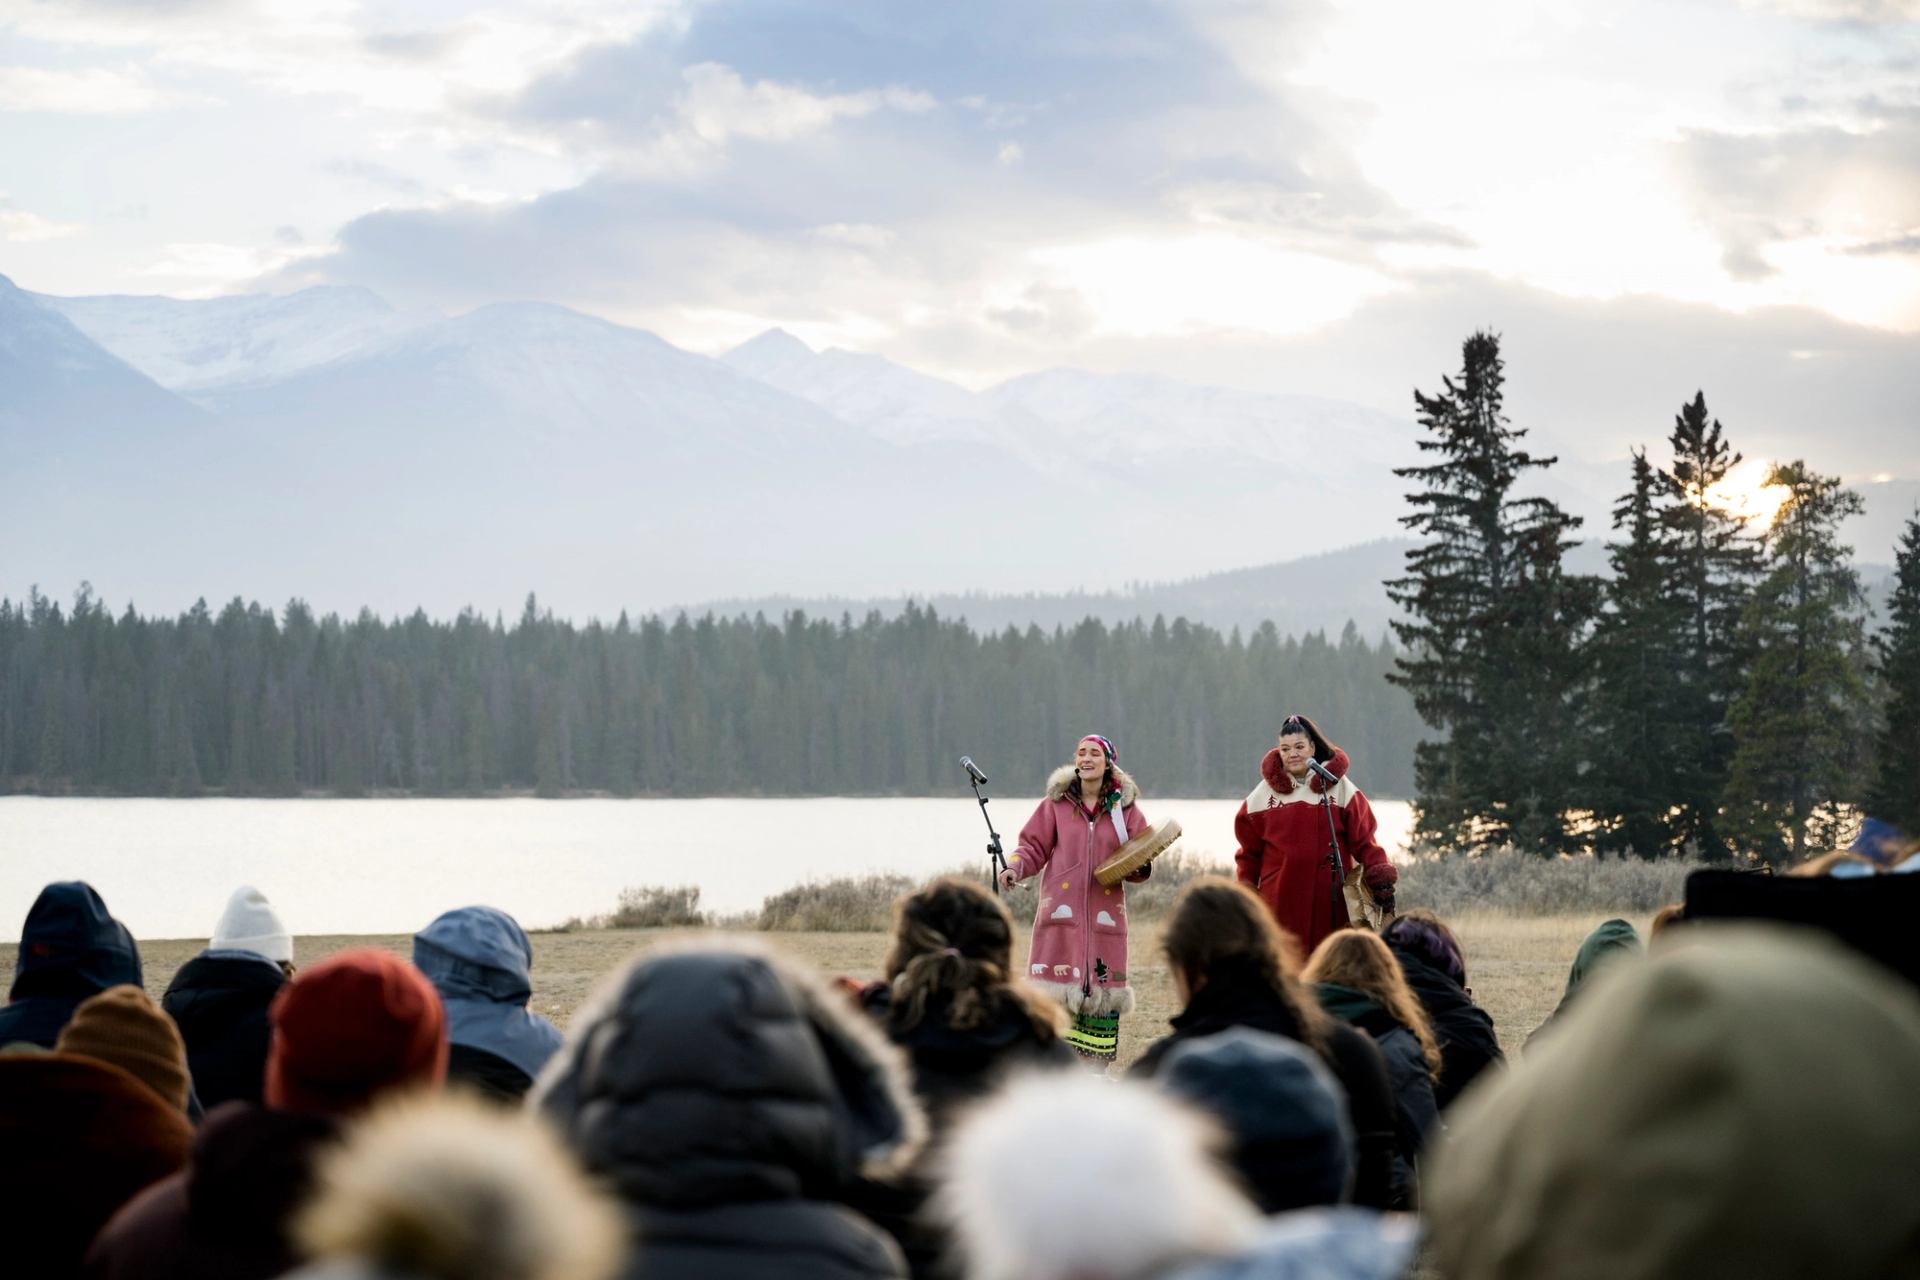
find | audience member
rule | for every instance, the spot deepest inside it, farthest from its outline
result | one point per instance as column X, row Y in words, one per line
column 1234, row 967
column 221, row 996
column 1066, row 1177
column 950, row 1002
column 732, row 1099
column 1356, row 979
column 360, row 1026
column 480, row 961
column 123, row 1026
column 1739, row 1105
column 1609, row 942
column 1284, row 1114
column 70, row 949
column 1435, row 968
column 79, row 1137
column 455, row 1190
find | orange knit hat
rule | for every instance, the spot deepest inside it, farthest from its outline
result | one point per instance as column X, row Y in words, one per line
column 124, row 1027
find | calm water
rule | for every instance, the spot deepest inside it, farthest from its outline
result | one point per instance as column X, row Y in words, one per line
column 165, row 867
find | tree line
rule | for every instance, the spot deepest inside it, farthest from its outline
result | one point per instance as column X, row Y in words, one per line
column 1717, row 693
column 247, row 701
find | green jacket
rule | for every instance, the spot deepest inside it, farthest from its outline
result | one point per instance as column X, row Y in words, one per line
column 1739, row 1105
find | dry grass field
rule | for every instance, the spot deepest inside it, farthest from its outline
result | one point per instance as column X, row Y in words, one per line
column 1517, row 964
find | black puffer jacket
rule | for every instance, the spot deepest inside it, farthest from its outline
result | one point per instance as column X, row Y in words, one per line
column 732, row 1102
column 1236, row 996
column 951, row 1068
column 1468, row 1044
column 220, row 1004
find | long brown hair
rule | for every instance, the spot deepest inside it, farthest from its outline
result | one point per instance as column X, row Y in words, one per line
column 1215, row 920
column 1357, row 958
column 952, row 937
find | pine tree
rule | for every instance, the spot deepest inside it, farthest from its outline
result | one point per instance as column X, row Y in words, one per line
column 1493, row 635
column 1715, row 562
column 1895, row 796
column 1799, row 726
column 1631, row 730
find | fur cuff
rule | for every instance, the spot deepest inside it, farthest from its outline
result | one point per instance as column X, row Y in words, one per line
column 1105, row 1000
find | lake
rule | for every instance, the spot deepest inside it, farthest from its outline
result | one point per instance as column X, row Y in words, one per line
column 165, row 867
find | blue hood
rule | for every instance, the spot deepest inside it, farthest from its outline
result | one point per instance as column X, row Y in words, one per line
column 70, row 949
column 479, row 960
column 70, row 941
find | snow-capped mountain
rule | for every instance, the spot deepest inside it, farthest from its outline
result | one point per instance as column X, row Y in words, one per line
column 890, row 400
column 197, row 347
column 58, row 386
column 548, row 374
column 1149, row 426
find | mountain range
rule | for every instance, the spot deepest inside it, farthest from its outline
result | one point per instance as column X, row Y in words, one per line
column 326, row 445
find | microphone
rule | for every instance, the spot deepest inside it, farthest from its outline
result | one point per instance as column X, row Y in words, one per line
column 1325, row 774
column 973, row 770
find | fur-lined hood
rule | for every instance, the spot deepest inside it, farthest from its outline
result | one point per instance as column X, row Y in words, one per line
column 1057, row 784
column 723, row 1071
column 1063, row 1176
column 456, row 1189
column 1282, row 782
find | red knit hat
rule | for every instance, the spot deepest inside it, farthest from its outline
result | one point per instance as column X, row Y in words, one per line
column 358, row 1024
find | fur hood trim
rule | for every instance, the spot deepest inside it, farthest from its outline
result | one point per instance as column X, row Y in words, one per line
column 1282, row 782
column 456, row 1189
column 1093, row 1003
column 1057, row 784
column 1016, row 1187
column 890, row 1125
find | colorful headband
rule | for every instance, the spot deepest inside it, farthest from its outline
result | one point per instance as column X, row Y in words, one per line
column 1113, row 757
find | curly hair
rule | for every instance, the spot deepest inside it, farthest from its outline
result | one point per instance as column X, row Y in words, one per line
column 1215, row 920
column 1357, row 958
column 953, row 938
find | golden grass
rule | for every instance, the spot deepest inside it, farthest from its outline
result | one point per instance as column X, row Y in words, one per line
column 1517, row 965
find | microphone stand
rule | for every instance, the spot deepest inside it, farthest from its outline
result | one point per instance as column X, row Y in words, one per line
column 1333, row 861
column 997, row 861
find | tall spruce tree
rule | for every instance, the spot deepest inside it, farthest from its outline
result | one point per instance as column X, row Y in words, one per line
column 1800, row 726
column 1493, row 633
column 1895, row 796
column 1632, row 731
column 1716, row 562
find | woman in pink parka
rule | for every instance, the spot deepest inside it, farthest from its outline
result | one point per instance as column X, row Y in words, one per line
column 1079, row 951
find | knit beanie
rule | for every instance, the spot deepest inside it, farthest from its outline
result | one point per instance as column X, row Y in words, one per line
column 123, row 1027
column 359, row 1024
column 250, row 924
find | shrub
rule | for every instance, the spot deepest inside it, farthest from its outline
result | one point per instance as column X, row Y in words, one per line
column 846, row 904
column 658, row 907
column 1508, row 880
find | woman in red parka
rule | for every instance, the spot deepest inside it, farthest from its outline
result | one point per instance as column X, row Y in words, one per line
column 1283, row 836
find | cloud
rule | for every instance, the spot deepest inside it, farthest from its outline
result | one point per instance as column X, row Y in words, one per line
column 22, row 227
column 1856, row 12
column 90, row 91
column 717, row 105
column 200, row 270
column 1795, row 204
column 1909, row 243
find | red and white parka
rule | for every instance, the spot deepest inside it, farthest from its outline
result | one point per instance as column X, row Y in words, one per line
column 1283, row 837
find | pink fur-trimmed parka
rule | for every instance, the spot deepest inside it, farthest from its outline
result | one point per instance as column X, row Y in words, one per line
column 1079, row 953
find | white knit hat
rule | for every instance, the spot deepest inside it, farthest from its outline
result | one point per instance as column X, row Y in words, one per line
column 249, row 924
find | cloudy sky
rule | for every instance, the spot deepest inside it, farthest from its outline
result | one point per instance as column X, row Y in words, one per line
column 1645, row 197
